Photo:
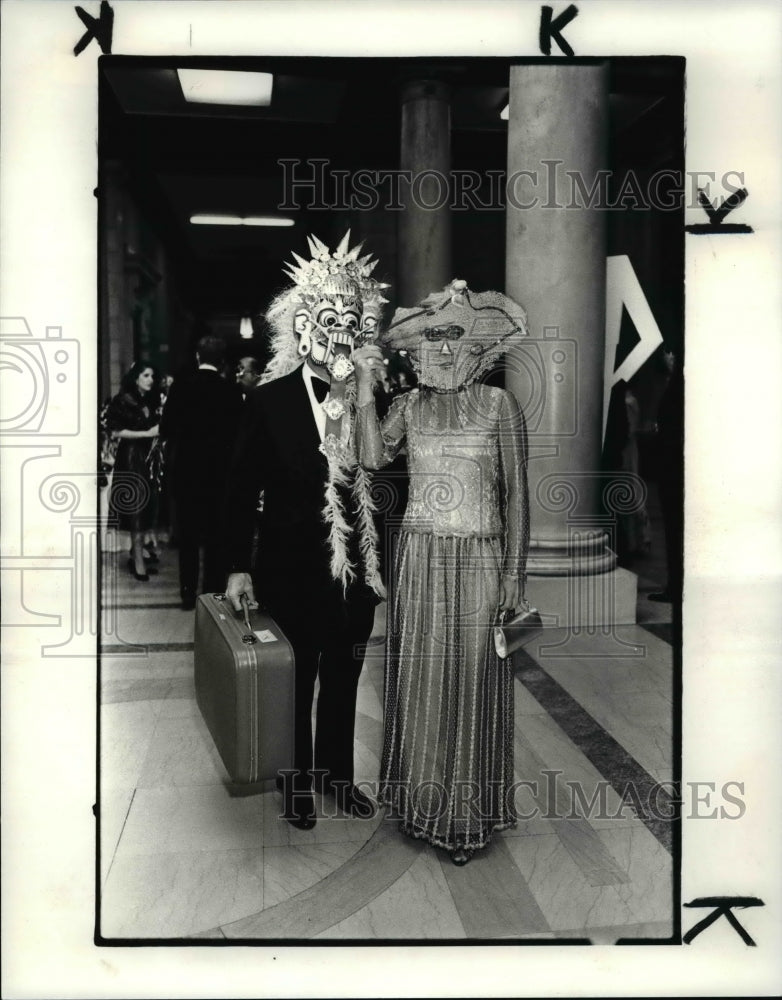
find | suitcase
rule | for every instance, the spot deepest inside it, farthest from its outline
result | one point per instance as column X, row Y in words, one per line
column 244, row 682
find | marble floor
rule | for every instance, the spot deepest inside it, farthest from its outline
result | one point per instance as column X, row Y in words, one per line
column 181, row 857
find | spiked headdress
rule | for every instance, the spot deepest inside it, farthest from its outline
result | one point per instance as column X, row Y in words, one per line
column 341, row 272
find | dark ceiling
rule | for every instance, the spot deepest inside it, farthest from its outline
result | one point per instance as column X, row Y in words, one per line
column 182, row 158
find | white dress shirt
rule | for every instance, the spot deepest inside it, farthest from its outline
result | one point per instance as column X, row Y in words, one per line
column 317, row 408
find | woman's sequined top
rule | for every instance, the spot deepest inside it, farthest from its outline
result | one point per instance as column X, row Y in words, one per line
column 467, row 463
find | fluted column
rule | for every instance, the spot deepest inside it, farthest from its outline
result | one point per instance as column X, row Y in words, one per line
column 116, row 332
column 424, row 223
column 556, row 268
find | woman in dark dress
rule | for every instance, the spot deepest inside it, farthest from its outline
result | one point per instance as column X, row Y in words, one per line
column 132, row 419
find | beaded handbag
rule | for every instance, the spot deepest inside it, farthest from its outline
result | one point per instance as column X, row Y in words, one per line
column 514, row 629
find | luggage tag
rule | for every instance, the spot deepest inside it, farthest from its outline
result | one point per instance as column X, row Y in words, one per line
column 254, row 635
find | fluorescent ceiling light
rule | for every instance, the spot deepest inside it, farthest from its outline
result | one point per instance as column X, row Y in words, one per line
column 505, row 113
column 216, row 220
column 238, row 220
column 266, row 220
column 217, row 86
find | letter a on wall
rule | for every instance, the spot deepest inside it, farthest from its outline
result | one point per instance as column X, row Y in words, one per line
column 623, row 289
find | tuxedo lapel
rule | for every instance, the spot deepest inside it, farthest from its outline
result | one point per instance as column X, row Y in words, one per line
column 297, row 427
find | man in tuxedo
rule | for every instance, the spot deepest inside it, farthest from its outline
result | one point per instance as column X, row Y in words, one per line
column 200, row 421
column 313, row 571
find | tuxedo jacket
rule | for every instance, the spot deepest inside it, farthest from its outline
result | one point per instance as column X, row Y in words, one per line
column 200, row 421
column 278, row 452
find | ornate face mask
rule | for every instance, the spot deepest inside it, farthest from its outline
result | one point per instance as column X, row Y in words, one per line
column 339, row 304
column 454, row 336
column 332, row 321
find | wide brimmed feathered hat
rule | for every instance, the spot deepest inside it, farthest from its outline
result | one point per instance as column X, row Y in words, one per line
column 490, row 321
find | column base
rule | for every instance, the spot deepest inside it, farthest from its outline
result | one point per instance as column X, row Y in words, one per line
column 582, row 552
column 594, row 600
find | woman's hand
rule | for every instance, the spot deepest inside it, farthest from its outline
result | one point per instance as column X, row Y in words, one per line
column 370, row 371
column 510, row 593
column 153, row 431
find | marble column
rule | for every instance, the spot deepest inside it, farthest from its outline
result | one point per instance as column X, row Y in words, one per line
column 116, row 329
column 556, row 268
column 424, row 223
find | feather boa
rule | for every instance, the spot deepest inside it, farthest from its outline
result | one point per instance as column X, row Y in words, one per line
column 368, row 541
column 339, row 476
column 339, row 529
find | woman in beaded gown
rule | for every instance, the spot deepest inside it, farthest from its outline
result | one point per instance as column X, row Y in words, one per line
column 447, row 758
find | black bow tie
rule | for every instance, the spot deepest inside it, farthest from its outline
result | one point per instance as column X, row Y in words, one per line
column 320, row 388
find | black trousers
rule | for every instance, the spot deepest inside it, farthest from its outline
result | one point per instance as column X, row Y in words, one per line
column 330, row 648
column 198, row 523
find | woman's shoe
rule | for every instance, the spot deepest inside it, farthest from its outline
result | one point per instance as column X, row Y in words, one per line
column 143, row 577
column 461, row 856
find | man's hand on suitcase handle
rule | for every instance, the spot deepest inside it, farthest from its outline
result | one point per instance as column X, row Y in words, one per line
column 240, row 585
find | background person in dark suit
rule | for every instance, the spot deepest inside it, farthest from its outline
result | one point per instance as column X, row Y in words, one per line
column 670, row 478
column 248, row 373
column 200, row 421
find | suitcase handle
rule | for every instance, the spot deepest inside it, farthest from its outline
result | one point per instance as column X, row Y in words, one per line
column 250, row 637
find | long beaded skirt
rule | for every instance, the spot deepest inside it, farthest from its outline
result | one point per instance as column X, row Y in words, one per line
column 447, row 760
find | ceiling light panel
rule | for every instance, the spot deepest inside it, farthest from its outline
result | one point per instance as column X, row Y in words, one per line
column 216, row 86
column 238, row 220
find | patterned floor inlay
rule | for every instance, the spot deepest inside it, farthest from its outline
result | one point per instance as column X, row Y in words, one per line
column 611, row 759
column 376, row 866
column 184, row 858
column 143, row 605
column 116, row 649
column 491, row 896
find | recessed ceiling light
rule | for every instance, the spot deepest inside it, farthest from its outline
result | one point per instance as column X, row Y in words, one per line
column 217, row 86
column 238, row 220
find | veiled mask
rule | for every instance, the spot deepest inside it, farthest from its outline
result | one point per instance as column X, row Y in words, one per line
column 454, row 336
